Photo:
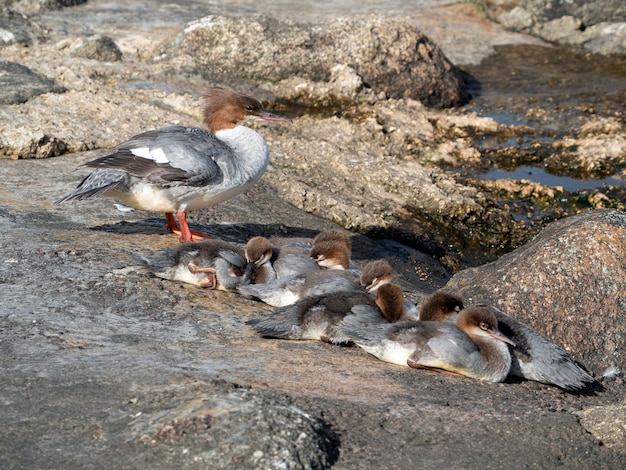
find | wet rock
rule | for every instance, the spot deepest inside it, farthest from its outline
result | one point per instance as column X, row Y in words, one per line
column 600, row 26
column 14, row 28
column 390, row 55
column 18, row 84
column 568, row 284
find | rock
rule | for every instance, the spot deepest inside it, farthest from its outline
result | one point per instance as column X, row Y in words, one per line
column 607, row 424
column 14, row 28
column 389, row 55
column 32, row 6
column 18, row 84
column 568, row 284
column 96, row 47
column 599, row 25
column 105, row 366
column 259, row 430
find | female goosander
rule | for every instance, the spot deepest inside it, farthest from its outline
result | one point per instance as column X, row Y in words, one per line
column 178, row 169
column 533, row 357
column 212, row 264
column 290, row 289
column 318, row 317
column 473, row 347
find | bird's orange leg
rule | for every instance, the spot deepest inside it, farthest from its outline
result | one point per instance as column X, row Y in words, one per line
column 184, row 233
column 211, row 278
column 170, row 222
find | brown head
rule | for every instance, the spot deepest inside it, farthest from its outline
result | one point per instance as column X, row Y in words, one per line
column 331, row 255
column 439, row 306
column 375, row 274
column 225, row 108
column 479, row 322
column 333, row 235
column 258, row 250
column 390, row 301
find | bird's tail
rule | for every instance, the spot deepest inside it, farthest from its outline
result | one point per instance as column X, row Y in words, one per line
column 95, row 184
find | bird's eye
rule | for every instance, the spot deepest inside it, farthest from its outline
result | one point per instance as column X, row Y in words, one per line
column 484, row 326
column 250, row 108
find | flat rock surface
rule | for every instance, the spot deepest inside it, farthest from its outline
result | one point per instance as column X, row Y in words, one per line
column 18, row 83
column 104, row 363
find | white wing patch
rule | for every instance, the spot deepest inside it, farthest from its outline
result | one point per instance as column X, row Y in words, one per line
column 157, row 154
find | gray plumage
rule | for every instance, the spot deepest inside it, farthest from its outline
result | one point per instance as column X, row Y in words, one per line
column 318, row 317
column 537, row 358
column 473, row 347
column 193, row 263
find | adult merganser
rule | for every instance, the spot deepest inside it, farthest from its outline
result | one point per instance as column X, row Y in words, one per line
column 318, row 317
column 533, row 358
column 473, row 347
column 290, row 289
column 178, row 169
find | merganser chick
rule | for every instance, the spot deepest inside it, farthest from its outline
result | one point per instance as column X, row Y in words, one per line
column 534, row 357
column 258, row 255
column 199, row 264
column 290, row 289
column 474, row 347
column 318, row 317
column 332, row 249
column 439, row 306
column 178, row 169
column 333, row 235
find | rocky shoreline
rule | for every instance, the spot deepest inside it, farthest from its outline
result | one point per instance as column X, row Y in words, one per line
column 102, row 363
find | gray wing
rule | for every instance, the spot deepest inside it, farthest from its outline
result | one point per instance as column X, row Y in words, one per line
column 170, row 155
column 157, row 261
column 95, row 184
column 283, row 323
column 536, row 358
column 293, row 263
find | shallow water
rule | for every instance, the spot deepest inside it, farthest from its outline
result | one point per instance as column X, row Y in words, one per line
column 538, row 175
column 548, row 93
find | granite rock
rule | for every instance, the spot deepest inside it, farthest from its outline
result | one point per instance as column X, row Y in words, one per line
column 390, row 55
column 599, row 25
column 568, row 284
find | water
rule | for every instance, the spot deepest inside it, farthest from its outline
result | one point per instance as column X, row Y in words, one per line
column 538, row 175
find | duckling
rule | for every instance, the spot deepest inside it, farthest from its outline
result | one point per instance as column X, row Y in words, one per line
column 473, row 347
column 290, row 289
column 317, row 317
